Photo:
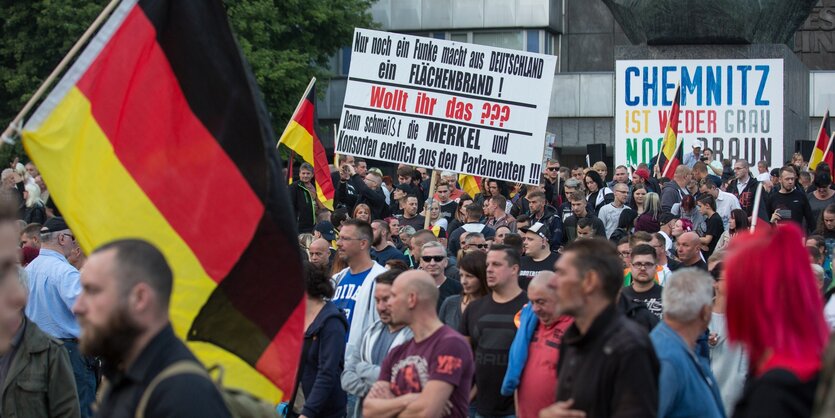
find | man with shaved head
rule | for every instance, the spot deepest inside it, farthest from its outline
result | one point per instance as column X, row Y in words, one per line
column 320, row 253
column 532, row 367
column 689, row 254
column 429, row 376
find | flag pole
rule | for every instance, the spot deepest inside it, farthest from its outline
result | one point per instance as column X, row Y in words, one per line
column 667, row 166
column 298, row 106
column 756, row 210
column 16, row 124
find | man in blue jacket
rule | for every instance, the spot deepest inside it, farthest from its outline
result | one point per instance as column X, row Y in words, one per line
column 686, row 386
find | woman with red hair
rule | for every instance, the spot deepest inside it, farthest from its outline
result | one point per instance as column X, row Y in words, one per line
column 775, row 311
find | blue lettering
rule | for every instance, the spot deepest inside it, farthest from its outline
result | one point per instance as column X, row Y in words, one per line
column 730, row 85
column 631, row 100
column 764, row 79
column 691, row 84
column 665, row 85
column 743, row 70
column 651, row 86
column 714, row 86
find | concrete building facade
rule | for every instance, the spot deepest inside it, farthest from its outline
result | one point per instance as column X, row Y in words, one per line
column 584, row 36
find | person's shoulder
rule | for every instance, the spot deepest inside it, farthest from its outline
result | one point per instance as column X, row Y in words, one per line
column 627, row 335
column 187, row 395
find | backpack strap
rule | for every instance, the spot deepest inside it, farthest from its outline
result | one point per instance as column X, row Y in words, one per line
column 175, row 369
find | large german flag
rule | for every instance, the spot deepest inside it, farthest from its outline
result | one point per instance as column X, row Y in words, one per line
column 158, row 132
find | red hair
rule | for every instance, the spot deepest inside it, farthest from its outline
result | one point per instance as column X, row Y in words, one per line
column 774, row 307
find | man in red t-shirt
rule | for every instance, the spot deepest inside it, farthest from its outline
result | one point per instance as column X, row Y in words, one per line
column 431, row 375
column 539, row 378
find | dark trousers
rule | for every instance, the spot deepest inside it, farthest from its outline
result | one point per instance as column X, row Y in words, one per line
column 84, row 371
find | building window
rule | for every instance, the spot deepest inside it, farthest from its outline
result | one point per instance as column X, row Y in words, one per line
column 510, row 40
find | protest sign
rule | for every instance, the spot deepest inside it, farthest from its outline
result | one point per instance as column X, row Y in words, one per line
column 734, row 107
column 446, row 105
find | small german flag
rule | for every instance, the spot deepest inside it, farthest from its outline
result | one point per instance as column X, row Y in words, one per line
column 822, row 153
column 158, row 132
column 300, row 136
column 670, row 155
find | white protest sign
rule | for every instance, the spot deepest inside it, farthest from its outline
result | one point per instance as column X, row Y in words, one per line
column 734, row 107
column 446, row 105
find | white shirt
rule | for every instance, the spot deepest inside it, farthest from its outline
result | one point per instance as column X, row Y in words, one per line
column 829, row 313
column 725, row 203
column 740, row 186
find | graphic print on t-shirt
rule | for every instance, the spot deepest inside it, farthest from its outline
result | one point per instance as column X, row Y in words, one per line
column 410, row 374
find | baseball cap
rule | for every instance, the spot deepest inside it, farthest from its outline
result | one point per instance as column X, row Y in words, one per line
column 326, row 229
column 540, row 229
column 666, row 217
column 54, row 224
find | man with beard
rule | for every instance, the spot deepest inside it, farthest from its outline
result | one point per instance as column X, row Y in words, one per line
column 123, row 313
column 54, row 285
column 382, row 250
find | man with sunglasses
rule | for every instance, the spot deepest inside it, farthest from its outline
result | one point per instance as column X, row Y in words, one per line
column 54, row 285
column 433, row 260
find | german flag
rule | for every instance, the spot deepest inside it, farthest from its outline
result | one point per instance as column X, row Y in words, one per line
column 300, row 136
column 158, row 132
column 821, row 151
column 670, row 155
column 469, row 184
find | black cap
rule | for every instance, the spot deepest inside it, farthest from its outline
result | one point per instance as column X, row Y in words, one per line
column 54, row 224
column 540, row 229
column 666, row 217
column 326, row 229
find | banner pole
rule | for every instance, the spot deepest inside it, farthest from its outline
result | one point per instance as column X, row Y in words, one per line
column 16, row 124
column 432, row 186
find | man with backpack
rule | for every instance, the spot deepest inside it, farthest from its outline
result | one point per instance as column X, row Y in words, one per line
column 123, row 314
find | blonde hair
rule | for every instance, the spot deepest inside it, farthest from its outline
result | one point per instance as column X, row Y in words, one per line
column 34, row 195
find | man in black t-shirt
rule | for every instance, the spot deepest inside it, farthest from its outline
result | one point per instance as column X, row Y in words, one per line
column 538, row 255
column 488, row 324
column 714, row 228
column 688, row 245
column 644, row 289
column 789, row 203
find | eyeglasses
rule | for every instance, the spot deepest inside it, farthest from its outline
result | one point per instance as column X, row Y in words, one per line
column 552, row 168
column 625, row 253
column 72, row 238
column 643, row 266
column 480, row 245
column 435, row 258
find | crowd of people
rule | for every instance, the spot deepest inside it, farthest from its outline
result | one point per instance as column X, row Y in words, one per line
column 586, row 295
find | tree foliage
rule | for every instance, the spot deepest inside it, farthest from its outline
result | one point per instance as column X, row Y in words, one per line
column 285, row 41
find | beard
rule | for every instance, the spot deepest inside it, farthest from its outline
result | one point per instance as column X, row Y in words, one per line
column 112, row 341
column 378, row 239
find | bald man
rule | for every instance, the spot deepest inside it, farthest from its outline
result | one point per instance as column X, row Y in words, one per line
column 320, row 253
column 532, row 367
column 688, row 251
column 429, row 376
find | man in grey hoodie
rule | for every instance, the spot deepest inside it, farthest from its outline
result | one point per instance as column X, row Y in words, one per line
column 362, row 366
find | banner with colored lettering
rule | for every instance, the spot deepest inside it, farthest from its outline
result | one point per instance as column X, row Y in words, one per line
column 734, row 107
column 447, row 105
